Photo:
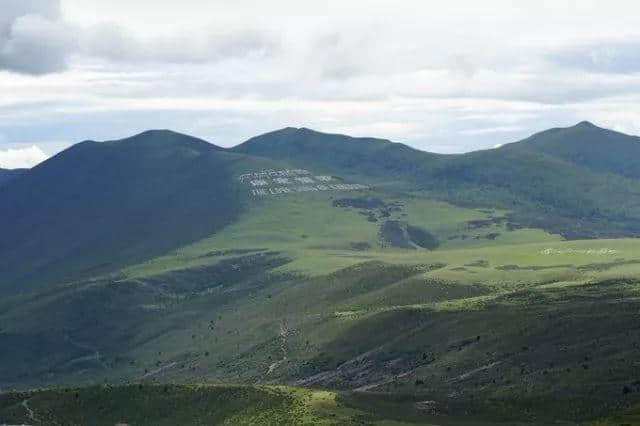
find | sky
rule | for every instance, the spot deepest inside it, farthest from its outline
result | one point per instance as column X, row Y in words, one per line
column 447, row 77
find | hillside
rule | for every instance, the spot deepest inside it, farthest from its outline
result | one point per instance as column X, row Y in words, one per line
column 597, row 149
column 410, row 292
column 551, row 180
column 98, row 206
column 8, row 175
column 338, row 153
column 526, row 331
column 195, row 405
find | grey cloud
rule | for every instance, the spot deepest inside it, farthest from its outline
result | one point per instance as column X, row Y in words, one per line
column 12, row 9
column 33, row 40
column 462, row 65
column 36, row 46
column 615, row 58
column 116, row 44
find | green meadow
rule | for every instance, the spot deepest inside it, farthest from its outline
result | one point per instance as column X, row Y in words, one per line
column 306, row 291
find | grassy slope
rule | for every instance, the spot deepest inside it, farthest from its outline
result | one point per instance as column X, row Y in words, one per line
column 302, row 225
column 530, row 179
column 159, row 405
column 99, row 206
column 587, row 145
column 281, row 296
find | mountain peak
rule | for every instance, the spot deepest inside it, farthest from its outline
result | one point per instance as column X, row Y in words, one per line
column 165, row 137
column 587, row 145
column 586, row 125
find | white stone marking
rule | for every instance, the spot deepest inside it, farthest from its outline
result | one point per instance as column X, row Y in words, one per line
column 304, row 179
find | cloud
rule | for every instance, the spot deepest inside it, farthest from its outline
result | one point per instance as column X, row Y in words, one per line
column 36, row 45
column 447, row 77
column 21, row 157
column 117, row 44
column 622, row 57
column 33, row 40
column 487, row 130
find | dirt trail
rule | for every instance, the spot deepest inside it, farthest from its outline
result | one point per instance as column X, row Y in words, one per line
column 472, row 372
column 282, row 333
column 30, row 413
column 330, row 374
column 96, row 353
column 158, row 370
column 366, row 388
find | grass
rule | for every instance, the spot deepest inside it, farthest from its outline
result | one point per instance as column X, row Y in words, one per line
column 529, row 178
column 282, row 296
column 319, row 237
column 188, row 405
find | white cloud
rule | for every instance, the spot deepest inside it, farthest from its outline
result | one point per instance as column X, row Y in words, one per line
column 486, row 130
column 448, row 77
column 19, row 158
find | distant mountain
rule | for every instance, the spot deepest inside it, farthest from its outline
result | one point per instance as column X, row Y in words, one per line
column 98, row 206
column 411, row 305
column 587, row 145
column 556, row 180
column 7, row 175
column 364, row 156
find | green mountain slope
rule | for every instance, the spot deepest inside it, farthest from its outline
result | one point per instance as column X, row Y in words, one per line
column 187, row 405
column 514, row 332
column 98, row 206
column 555, row 184
column 340, row 153
column 587, row 145
column 411, row 306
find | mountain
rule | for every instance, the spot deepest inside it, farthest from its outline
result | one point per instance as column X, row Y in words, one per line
column 428, row 293
column 340, row 153
column 597, row 149
column 7, row 175
column 556, row 180
column 98, row 206
column 188, row 405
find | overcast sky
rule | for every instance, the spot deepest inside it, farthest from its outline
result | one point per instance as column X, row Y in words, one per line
column 441, row 76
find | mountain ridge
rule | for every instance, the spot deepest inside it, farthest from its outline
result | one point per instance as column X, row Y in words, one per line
column 585, row 144
column 6, row 175
column 98, row 201
column 528, row 178
column 433, row 285
column 149, row 172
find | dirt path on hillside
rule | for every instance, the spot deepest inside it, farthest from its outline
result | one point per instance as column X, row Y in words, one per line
column 30, row 413
column 282, row 334
column 158, row 370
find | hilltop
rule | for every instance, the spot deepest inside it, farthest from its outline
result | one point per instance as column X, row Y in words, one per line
column 578, row 181
column 100, row 205
column 587, row 145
